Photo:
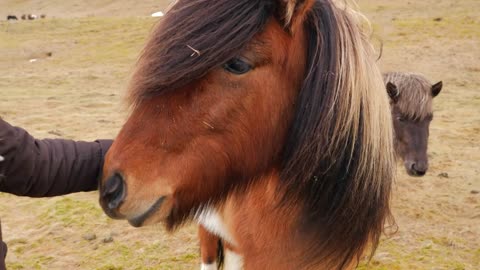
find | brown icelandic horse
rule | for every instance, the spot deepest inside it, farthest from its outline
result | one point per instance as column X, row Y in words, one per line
column 267, row 122
column 411, row 98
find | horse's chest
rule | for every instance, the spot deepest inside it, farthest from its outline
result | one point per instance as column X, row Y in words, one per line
column 213, row 222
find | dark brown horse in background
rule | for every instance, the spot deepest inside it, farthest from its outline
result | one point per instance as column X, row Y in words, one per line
column 266, row 122
column 411, row 97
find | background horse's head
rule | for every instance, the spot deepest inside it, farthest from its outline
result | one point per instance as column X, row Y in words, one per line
column 227, row 92
column 411, row 98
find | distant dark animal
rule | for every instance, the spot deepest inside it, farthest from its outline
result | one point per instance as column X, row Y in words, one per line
column 411, row 98
column 31, row 16
column 12, row 17
column 24, row 16
column 267, row 122
column 43, row 16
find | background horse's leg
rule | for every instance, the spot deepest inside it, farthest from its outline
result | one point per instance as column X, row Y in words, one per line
column 209, row 248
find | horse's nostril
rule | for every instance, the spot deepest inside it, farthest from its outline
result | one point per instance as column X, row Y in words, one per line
column 114, row 191
column 418, row 171
column 412, row 167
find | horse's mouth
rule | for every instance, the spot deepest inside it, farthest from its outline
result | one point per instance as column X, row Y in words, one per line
column 139, row 220
column 415, row 173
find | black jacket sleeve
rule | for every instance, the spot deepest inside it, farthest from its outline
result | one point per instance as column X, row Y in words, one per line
column 48, row 167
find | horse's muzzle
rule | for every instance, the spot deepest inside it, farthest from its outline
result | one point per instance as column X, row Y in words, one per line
column 112, row 194
column 416, row 168
column 139, row 220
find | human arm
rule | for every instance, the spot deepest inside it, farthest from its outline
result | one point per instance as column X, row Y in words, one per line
column 48, row 167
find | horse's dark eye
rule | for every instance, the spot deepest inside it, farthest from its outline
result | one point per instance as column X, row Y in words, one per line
column 401, row 118
column 237, row 66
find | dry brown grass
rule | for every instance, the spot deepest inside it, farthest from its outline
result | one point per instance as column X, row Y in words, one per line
column 77, row 93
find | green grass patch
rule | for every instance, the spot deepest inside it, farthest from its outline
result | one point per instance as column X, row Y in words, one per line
column 452, row 28
column 32, row 263
column 71, row 212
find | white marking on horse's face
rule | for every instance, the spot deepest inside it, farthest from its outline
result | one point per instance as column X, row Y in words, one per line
column 212, row 221
column 2, row 158
column 211, row 266
column 233, row 261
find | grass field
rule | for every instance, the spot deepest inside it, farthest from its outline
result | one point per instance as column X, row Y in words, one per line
column 77, row 93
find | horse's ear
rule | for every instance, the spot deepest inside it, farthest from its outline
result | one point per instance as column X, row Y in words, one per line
column 392, row 91
column 290, row 11
column 436, row 88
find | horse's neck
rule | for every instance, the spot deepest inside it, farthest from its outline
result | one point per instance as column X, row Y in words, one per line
column 263, row 229
column 266, row 228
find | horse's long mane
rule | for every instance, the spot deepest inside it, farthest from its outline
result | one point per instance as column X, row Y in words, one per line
column 339, row 157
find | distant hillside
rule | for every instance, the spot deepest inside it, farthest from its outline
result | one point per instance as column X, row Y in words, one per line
column 70, row 8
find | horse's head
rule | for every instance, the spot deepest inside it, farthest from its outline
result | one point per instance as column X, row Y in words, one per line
column 229, row 91
column 212, row 100
column 411, row 104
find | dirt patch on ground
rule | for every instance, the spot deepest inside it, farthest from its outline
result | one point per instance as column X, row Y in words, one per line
column 74, row 89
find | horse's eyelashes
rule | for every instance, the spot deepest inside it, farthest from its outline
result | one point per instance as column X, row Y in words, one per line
column 237, row 66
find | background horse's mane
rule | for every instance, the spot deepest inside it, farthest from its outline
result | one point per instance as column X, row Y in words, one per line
column 338, row 157
column 415, row 92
